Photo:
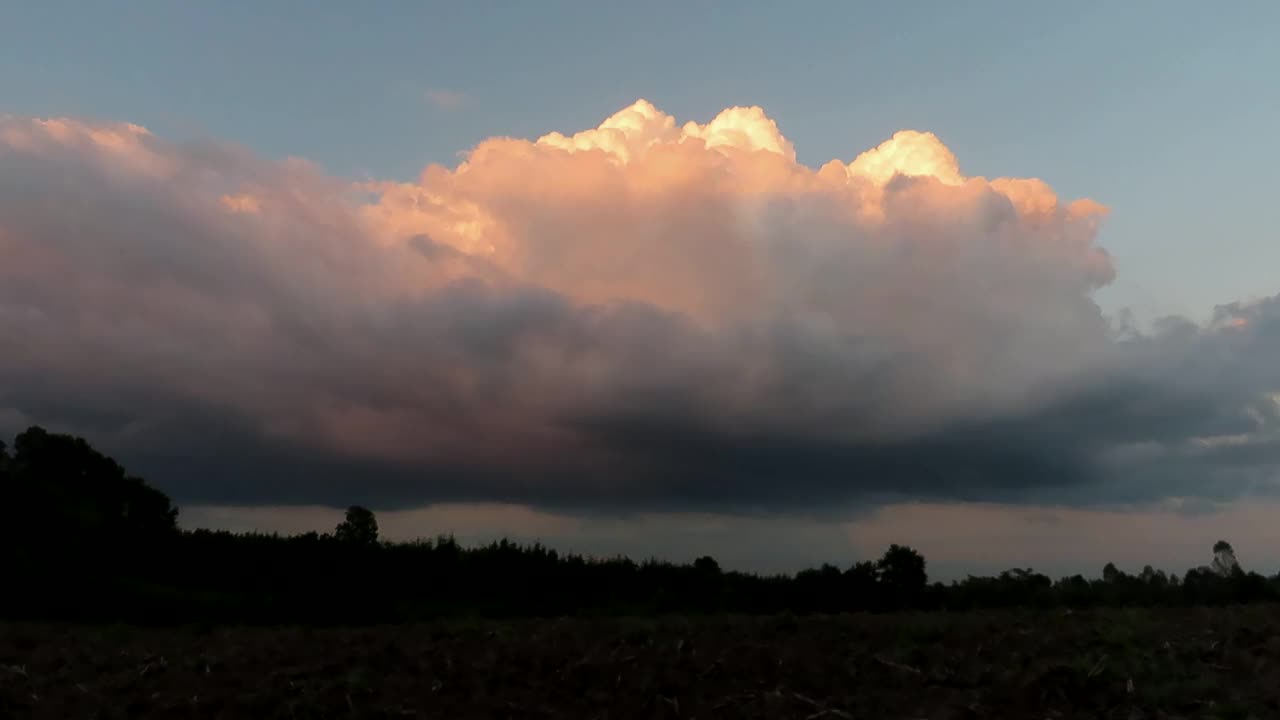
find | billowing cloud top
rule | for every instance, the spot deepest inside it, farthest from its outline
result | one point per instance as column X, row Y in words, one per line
column 647, row 313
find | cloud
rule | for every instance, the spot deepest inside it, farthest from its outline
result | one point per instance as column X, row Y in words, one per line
column 446, row 99
column 644, row 315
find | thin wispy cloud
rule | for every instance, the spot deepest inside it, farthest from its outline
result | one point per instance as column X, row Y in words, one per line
column 446, row 99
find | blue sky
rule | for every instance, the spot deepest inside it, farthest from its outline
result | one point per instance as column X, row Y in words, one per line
column 1165, row 111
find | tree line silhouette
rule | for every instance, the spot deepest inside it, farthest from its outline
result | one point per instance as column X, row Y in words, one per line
column 82, row 539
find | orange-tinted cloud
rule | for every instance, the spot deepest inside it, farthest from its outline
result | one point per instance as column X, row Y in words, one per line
column 446, row 99
column 719, row 224
column 688, row 217
column 648, row 312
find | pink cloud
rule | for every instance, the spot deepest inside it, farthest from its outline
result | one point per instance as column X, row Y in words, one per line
column 446, row 99
column 647, row 310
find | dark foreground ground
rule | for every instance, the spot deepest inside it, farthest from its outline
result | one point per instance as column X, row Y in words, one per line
column 1212, row 663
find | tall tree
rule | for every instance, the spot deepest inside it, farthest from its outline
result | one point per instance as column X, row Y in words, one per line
column 1224, row 559
column 1111, row 573
column 62, row 490
column 901, row 573
column 360, row 527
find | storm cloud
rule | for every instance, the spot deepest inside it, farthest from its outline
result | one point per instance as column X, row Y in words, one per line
column 641, row 316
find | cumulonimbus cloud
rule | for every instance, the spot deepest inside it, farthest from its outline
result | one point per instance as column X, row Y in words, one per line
column 647, row 313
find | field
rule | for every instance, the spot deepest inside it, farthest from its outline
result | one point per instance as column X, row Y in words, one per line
column 1203, row 663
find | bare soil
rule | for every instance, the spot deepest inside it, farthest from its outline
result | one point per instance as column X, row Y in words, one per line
column 1128, row 664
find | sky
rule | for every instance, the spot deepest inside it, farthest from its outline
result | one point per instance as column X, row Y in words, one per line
column 787, row 285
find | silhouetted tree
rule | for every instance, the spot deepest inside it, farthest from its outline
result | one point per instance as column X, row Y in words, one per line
column 901, row 574
column 707, row 565
column 861, row 584
column 78, row 532
column 1111, row 573
column 9, row 502
column 66, row 493
column 1224, row 559
column 821, row 589
column 5, row 488
column 360, row 527
column 81, row 538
